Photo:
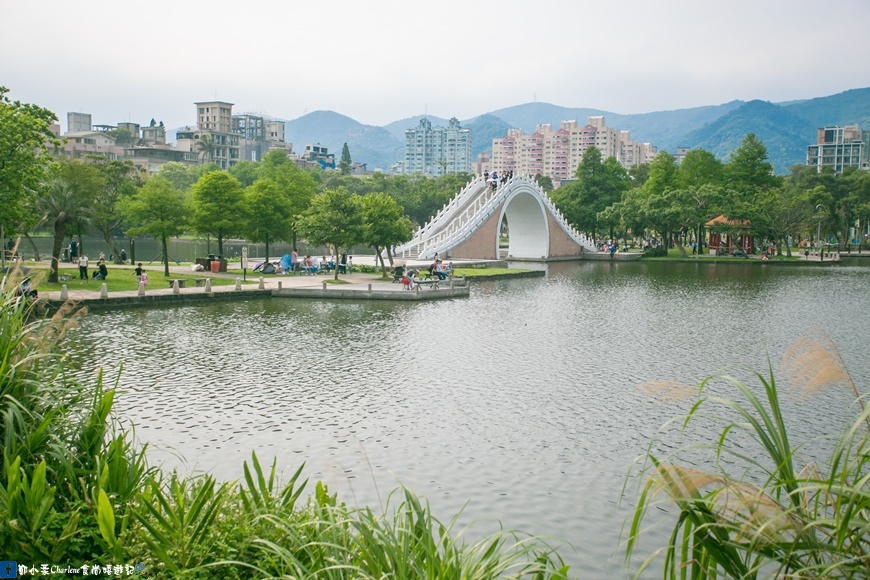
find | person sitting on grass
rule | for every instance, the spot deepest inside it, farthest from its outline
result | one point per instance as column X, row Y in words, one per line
column 102, row 271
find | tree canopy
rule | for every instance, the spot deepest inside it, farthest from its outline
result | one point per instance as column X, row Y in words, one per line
column 600, row 184
column 384, row 224
column 269, row 211
column 26, row 141
column 157, row 209
column 333, row 219
column 218, row 206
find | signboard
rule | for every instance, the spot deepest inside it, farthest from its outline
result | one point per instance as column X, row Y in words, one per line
column 244, row 257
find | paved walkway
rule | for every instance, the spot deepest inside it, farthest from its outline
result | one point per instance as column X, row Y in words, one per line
column 158, row 284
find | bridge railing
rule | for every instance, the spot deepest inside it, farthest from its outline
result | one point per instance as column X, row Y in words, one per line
column 469, row 199
column 447, row 211
column 462, row 227
column 573, row 233
column 478, row 208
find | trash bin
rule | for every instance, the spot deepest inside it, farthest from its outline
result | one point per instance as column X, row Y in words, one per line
column 215, row 267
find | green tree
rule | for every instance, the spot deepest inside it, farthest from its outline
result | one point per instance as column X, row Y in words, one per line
column 25, row 143
column 700, row 167
column 206, row 147
column 384, row 225
column 784, row 211
column 121, row 180
column 614, row 183
column 336, row 179
column 333, row 219
column 600, row 183
column 65, row 202
column 545, row 182
column 180, row 175
column 122, row 137
column 663, row 174
column 156, row 209
column 269, row 213
column 87, row 181
column 218, row 206
column 694, row 207
column 345, row 164
column 297, row 184
column 748, row 171
column 857, row 184
column 247, row 172
column 663, row 177
column 638, row 174
column 699, row 178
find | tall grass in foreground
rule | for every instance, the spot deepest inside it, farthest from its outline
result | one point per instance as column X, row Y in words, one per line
column 778, row 518
column 75, row 491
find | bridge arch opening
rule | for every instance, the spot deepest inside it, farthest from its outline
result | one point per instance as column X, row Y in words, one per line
column 526, row 226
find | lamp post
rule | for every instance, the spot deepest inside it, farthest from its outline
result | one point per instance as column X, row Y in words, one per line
column 820, row 208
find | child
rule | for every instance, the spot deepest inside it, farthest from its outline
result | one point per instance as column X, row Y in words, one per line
column 143, row 279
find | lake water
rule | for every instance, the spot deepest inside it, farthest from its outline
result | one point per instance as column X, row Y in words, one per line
column 519, row 404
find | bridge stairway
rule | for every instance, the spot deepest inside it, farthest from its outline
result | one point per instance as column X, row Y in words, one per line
column 468, row 210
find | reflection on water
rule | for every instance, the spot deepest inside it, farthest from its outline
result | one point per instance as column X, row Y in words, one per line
column 521, row 400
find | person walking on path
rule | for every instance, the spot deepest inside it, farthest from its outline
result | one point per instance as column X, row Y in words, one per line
column 83, row 267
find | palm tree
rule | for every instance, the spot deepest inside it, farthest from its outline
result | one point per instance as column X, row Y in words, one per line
column 205, row 147
column 60, row 205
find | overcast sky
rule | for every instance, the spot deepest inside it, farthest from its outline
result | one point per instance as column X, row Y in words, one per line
column 379, row 61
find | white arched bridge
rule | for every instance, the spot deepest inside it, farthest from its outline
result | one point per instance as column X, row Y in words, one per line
column 470, row 226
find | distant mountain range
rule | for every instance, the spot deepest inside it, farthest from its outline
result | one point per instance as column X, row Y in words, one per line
column 786, row 129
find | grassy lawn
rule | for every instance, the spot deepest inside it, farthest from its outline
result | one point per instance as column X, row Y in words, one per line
column 119, row 279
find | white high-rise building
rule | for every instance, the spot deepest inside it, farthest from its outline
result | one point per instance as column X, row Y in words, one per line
column 840, row 147
column 438, row 150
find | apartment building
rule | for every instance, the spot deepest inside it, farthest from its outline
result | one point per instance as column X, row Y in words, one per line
column 147, row 150
column 78, row 122
column 437, row 151
column 556, row 153
column 215, row 123
column 317, row 155
column 258, row 136
column 82, row 143
column 840, row 147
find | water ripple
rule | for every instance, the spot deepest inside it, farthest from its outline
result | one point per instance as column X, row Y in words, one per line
column 521, row 400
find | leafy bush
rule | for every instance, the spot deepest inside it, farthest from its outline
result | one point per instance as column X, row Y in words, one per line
column 366, row 269
column 777, row 518
column 657, row 252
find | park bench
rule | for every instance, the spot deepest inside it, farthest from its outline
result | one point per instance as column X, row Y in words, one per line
column 432, row 283
column 182, row 282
